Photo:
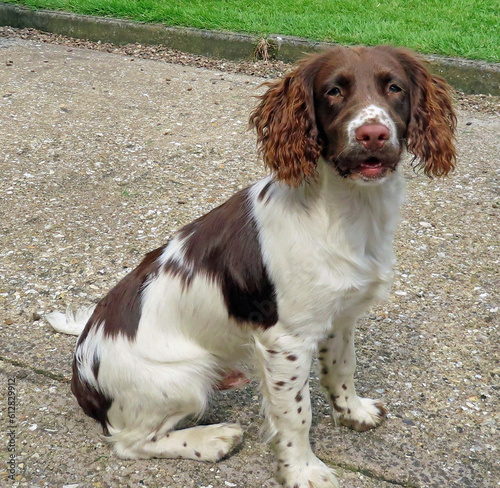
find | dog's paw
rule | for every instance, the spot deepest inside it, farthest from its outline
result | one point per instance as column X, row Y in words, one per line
column 360, row 414
column 315, row 474
column 220, row 440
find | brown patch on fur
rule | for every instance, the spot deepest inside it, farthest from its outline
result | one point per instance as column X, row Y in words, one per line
column 93, row 402
column 119, row 311
column 224, row 245
column 264, row 192
column 337, row 407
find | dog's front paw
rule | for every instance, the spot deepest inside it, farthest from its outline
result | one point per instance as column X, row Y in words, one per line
column 360, row 414
column 314, row 474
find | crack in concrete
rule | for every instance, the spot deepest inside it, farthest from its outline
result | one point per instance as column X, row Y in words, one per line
column 43, row 372
column 373, row 476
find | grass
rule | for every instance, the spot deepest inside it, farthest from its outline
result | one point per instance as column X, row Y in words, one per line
column 464, row 28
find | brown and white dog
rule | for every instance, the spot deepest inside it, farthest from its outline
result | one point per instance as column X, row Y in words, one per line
column 281, row 270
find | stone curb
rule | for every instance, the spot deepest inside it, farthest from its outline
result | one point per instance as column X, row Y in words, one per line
column 472, row 77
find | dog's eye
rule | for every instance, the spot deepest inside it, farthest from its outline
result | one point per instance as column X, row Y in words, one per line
column 335, row 92
column 395, row 89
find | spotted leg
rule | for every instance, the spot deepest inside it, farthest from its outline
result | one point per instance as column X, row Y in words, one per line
column 285, row 364
column 338, row 363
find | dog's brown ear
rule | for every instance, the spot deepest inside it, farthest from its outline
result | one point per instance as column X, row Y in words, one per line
column 287, row 135
column 430, row 133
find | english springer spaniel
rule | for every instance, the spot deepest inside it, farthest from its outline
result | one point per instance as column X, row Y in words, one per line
column 280, row 271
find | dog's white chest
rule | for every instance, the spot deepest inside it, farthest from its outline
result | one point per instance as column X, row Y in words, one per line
column 327, row 285
column 331, row 261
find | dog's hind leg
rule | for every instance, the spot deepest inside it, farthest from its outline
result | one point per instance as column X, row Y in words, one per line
column 144, row 417
column 201, row 443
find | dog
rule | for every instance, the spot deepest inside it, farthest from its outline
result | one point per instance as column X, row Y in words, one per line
column 280, row 271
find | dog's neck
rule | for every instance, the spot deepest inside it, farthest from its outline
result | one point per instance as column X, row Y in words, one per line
column 334, row 193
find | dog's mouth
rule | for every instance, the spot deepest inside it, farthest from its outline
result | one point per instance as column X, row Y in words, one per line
column 369, row 168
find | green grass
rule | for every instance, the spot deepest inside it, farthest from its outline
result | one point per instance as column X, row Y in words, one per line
column 465, row 28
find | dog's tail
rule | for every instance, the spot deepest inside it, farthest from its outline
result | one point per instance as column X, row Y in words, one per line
column 71, row 322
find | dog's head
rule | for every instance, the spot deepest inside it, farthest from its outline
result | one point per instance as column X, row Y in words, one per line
column 357, row 108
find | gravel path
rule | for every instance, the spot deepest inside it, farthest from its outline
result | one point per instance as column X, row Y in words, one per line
column 105, row 154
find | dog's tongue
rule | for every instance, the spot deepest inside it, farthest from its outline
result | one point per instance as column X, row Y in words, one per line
column 371, row 170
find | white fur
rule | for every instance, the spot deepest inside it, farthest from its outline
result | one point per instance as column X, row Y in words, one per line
column 372, row 114
column 327, row 249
